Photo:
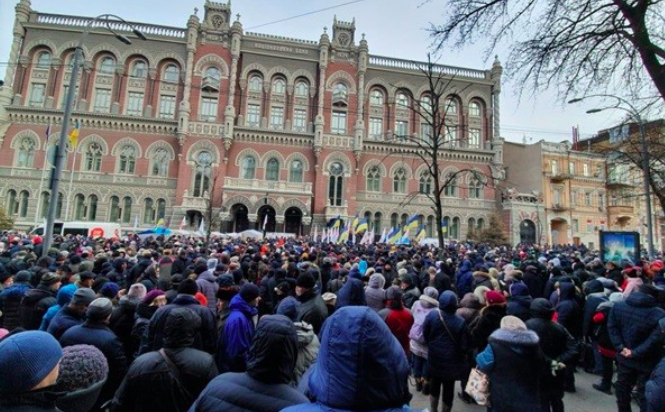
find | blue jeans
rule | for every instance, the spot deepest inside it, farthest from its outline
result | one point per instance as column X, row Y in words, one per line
column 420, row 367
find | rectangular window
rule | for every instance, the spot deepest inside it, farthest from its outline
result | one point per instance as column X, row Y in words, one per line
column 277, row 118
column 585, row 169
column 102, row 101
column 253, row 115
column 557, row 198
column 209, row 109
column 555, row 167
column 587, row 199
column 376, row 128
column 601, row 201
column 65, row 90
column 576, row 226
column 426, row 132
column 573, row 197
column 401, row 129
column 451, row 135
column 166, row 107
column 37, row 95
column 300, row 120
column 589, row 227
column 135, row 104
column 474, row 138
column 571, row 168
column 338, row 124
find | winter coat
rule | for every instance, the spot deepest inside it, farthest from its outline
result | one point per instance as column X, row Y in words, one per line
column 35, row 401
column 10, row 302
column 375, row 294
column 485, row 279
column 265, row 386
column 351, row 294
column 410, row 296
column 593, row 300
column 485, row 324
column 151, row 386
column 399, row 322
column 62, row 298
column 469, row 308
column 534, row 281
column 631, row 285
column 236, row 337
column 205, row 339
column 464, row 278
column 417, row 343
column 447, row 355
column 100, row 336
column 142, row 318
column 655, row 388
column 34, row 305
column 514, row 364
column 600, row 332
column 360, row 366
column 633, row 324
column 122, row 322
column 312, row 310
column 308, row 349
column 567, row 312
column 207, row 284
column 519, row 306
column 63, row 320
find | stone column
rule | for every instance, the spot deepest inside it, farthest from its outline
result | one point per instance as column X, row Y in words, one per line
column 184, row 108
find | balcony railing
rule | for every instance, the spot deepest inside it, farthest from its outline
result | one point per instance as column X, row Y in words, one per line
column 268, row 186
column 76, row 21
column 614, row 182
column 560, row 177
column 401, row 64
column 559, row 207
column 620, row 210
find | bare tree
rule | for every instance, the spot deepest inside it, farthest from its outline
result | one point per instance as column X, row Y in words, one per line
column 576, row 45
column 441, row 135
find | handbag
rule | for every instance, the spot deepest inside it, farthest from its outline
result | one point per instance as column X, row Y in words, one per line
column 478, row 387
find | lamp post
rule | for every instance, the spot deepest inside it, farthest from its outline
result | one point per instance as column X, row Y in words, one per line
column 54, row 183
column 646, row 171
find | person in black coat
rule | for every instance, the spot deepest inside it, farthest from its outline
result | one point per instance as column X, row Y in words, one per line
column 124, row 315
column 655, row 387
column 37, row 301
column 534, row 280
column 72, row 314
column 95, row 331
column 488, row 321
column 519, row 304
column 313, row 309
column 558, row 346
column 265, row 386
column 151, row 385
column 10, row 300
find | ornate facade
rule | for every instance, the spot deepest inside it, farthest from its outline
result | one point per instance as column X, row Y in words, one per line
column 253, row 124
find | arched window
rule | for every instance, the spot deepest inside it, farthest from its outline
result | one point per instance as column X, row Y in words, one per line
column 426, row 104
column 474, row 109
column 272, row 170
column 126, row 209
column 399, row 180
column 44, row 60
column 248, row 167
column 471, row 227
column 26, row 153
column 335, row 184
column 403, row 220
column 107, row 65
column 127, row 160
column 481, row 224
column 278, row 86
column 376, row 97
column 302, row 89
column 425, row 182
column 92, row 207
column 374, row 179
column 93, row 157
column 139, row 69
column 475, row 188
column 377, row 222
column 46, row 199
column 202, row 172
column 160, row 163
column 79, row 207
column 171, row 73
column 148, row 211
column 402, row 100
column 115, row 209
column 454, row 228
column 340, row 92
column 161, row 209
column 23, row 197
column 450, row 182
column 296, row 171
column 393, row 219
column 255, row 83
column 12, row 204
column 450, row 106
column 213, row 73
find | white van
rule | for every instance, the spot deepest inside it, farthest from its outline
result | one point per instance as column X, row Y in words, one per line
column 91, row 229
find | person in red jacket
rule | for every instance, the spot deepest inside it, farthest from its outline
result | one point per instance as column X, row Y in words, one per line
column 397, row 317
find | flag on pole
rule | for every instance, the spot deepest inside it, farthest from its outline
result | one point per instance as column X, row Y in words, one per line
column 395, row 235
column 183, row 223
column 343, row 235
column 74, row 134
column 336, row 222
column 362, row 226
column 136, row 223
column 265, row 222
column 412, row 223
column 48, row 131
column 372, row 235
column 444, row 227
column 421, row 234
column 160, row 222
column 324, row 235
column 384, row 235
column 354, row 224
column 202, row 228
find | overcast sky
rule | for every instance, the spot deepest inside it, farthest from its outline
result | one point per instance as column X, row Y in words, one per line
column 394, row 28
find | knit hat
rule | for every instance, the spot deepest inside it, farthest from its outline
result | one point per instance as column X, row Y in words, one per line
column 150, row 296
column 27, row 358
column 23, row 276
column 249, row 292
column 64, row 295
column 137, row 290
column 188, row 287
column 86, row 265
column 495, row 298
column 394, row 293
column 406, row 278
column 225, row 281
column 289, row 308
column 83, row 297
column 86, row 275
column 306, row 280
column 110, row 290
column 81, row 367
column 49, row 279
column 431, row 296
column 512, row 323
column 99, row 309
column 176, row 280
column 519, row 289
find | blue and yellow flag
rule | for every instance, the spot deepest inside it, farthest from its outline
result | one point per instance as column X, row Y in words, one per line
column 336, row 222
column 444, row 227
column 394, row 236
column 74, row 134
column 343, row 235
column 362, row 226
column 421, row 233
column 412, row 223
column 354, row 223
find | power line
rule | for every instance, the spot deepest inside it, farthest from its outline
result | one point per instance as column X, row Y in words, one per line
column 305, row 14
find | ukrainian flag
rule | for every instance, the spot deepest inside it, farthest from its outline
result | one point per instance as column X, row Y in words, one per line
column 421, row 233
column 343, row 235
column 412, row 223
column 354, row 223
column 74, row 135
column 395, row 235
column 362, row 226
column 336, row 222
column 444, row 227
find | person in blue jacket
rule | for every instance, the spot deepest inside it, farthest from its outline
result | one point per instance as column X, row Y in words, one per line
column 464, row 279
column 361, row 366
column 655, row 387
column 236, row 337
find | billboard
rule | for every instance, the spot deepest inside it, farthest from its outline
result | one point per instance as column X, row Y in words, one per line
column 617, row 246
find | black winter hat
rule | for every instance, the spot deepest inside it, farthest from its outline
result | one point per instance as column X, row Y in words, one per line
column 188, row 287
column 306, row 280
column 542, row 308
column 249, row 292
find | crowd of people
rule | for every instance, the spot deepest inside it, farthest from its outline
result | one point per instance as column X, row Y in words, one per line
column 173, row 324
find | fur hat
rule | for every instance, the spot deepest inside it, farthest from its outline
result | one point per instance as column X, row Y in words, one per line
column 137, row 290
column 430, row 295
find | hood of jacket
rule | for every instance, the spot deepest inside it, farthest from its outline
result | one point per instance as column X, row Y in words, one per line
column 305, row 333
column 207, row 276
column 448, row 302
column 567, row 290
column 15, row 291
column 465, row 266
column 517, row 339
column 181, row 327
column 594, row 286
column 238, row 303
column 351, row 294
column 541, row 308
column 360, row 365
column 470, row 301
column 145, row 311
column 377, row 281
column 65, row 294
column 641, row 300
column 274, row 350
column 128, row 303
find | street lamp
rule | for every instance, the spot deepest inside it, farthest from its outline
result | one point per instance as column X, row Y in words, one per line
column 54, row 184
column 646, row 171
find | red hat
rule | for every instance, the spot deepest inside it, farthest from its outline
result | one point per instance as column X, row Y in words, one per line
column 36, row 240
column 495, row 298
